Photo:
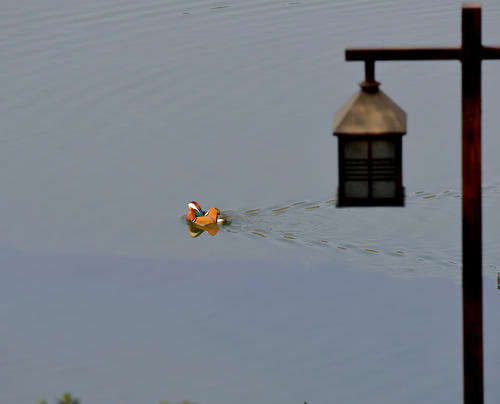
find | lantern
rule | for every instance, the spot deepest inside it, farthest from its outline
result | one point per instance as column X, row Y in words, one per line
column 370, row 127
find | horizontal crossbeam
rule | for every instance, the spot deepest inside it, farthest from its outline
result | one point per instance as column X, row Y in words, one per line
column 491, row 52
column 409, row 53
column 415, row 53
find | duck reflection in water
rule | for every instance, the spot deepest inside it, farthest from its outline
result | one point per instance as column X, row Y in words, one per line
column 200, row 221
column 195, row 231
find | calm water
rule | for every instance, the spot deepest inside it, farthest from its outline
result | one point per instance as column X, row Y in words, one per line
column 115, row 114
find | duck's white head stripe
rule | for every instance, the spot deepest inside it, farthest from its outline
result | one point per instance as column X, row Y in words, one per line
column 196, row 206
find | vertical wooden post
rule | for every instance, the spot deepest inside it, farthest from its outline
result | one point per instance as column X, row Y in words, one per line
column 471, row 205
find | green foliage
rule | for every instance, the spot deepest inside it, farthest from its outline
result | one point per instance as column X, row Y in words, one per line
column 67, row 399
column 180, row 402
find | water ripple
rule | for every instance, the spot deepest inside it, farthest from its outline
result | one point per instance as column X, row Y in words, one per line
column 359, row 233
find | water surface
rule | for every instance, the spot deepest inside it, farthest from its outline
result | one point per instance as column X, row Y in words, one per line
column 116, row 114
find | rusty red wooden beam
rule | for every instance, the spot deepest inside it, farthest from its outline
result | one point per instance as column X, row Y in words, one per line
column 472, row 277
column 491, row 52
column 415, row 53
column 407, row 53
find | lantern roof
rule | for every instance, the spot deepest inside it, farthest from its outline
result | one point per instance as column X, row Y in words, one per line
column 369, row 113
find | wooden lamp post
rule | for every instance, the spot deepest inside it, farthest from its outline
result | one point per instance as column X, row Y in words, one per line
column 470, row 54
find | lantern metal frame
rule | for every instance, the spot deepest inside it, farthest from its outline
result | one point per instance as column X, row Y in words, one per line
column 377, row 169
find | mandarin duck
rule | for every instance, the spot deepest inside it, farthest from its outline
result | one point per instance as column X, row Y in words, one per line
column 197, row 215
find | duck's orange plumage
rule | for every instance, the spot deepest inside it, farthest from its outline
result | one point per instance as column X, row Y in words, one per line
column 196, row 215
column 191, row 216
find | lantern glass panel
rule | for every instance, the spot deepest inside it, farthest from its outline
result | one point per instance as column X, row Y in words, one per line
column 356, row 189
column 383, row 189
column 383, row 149
column 383, row 169
column 356, row 149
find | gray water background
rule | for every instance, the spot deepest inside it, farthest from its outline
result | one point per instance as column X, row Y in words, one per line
column 115, row 114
